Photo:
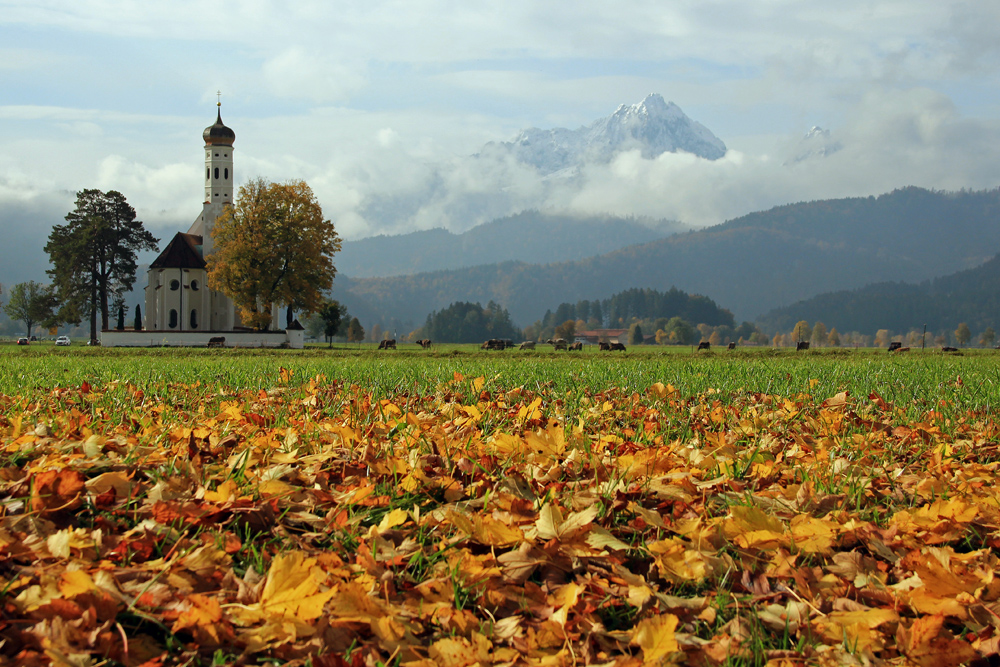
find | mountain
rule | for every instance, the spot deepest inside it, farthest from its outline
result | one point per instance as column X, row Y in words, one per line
column 749, row 265
column 971, row 296
column 652, row 126
column 532, row 237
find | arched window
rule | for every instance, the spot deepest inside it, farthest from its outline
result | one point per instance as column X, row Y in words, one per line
column 175, row 285
column 226, row 172
column 216, row 172
column 195, row 286
column 194, row 319
column 173, row 319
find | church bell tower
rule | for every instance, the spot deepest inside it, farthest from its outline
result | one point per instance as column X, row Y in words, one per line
column 218, row 175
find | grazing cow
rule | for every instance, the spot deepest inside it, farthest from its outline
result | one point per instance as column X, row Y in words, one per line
column 423, row 342
column 217, row 341
column 576, row 347
column 704, row 345
column 603, row 347
column 387, row 344
column 802, row 345
column 493, row 344
column 949, row 349
column 527, row 345
column 903, row 349
column 558, row 343
column 617, row 347
column 895, row 345
column 732, row 345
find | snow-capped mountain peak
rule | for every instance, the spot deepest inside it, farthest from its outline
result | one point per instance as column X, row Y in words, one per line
column 653, row 126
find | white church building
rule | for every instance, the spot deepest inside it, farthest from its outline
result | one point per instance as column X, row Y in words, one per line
column 180, row 308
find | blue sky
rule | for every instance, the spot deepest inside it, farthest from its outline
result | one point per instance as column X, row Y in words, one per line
column 383, row 101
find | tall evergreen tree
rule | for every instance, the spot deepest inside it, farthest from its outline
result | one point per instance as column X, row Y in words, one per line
column 94, row 255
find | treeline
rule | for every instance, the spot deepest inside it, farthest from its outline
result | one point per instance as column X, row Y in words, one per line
column 464, row 322
column 818, row 335
column 651, row 316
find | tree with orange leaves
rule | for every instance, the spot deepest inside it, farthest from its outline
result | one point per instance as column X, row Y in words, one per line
column 273, row 246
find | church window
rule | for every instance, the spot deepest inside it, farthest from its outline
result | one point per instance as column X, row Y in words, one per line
column 208, row 173
column 175, row 285
column 216, row 172
column 226, row 172
column 216, row 155
column 194, row 319
column 195, row 286
column 173, row 319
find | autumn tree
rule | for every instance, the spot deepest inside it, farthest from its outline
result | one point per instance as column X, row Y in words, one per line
column 566, row 330
column 273, row 246
column 94, row 256
column 802, row 331
column 963, row 334
column 882, row 337
column 31, row 303
column 819, row 335
column 355, row 332
column 833, row 338
column 988, row 337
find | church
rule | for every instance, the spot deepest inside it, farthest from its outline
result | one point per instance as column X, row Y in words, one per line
column 181, row 309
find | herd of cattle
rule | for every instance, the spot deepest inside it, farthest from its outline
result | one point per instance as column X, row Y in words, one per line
column 563, row 344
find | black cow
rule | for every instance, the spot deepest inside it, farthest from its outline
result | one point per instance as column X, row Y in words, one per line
column 217, row 341
column 387, row 344
column 732, row 345
column 603, row 347
column 895, row 345
column 617, row 347
column 704, row 345
column 802, row 345
column 949, row 349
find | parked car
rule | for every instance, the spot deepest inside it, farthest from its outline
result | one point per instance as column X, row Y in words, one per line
column 23, row 340
column 62, row 340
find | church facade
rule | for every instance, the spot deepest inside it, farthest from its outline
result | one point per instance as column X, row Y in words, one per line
column 180, row 308
column 178, row 297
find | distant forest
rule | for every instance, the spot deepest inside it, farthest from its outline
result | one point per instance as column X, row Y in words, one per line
column 972, row 297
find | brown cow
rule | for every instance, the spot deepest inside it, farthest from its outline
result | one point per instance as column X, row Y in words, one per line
column 493, row 344
column 576, row 347
column 603, row 347
column 949, row 349
column 617, row 347
column 423, row 342
column 732, row 345
column 387, row 344
column 527, row 345
column 558, row 343
column 704, row 345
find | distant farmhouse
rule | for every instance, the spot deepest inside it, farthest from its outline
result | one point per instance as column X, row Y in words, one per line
column 181, row 309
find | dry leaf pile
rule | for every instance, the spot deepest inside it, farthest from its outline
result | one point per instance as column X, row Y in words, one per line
column 315, row 524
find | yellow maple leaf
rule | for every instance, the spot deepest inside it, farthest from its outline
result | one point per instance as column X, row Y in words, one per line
column 655, row 636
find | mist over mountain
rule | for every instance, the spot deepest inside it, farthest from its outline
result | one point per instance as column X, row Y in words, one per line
column 652, row 127
column 749, row 265
column 531, row 236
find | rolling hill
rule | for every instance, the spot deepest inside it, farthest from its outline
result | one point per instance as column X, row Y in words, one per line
column 971, row 296
column 531, row 236
column 749, row 265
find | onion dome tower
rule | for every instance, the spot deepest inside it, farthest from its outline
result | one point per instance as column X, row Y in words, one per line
column 218, row 162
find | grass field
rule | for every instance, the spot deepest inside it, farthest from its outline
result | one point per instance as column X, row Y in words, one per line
column 456, row 506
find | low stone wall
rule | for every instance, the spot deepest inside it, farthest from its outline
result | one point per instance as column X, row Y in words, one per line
column 128, row 338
